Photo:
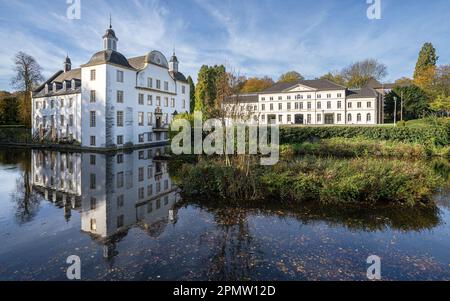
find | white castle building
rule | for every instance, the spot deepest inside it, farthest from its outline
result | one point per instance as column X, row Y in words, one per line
column 111, row 101
column 112, row 192
column 311, row 102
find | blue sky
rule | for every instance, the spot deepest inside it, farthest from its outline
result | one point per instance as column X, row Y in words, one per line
column 251, row 37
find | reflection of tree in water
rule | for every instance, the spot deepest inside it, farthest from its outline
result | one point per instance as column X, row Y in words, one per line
column 235, row 252
column 26, row 200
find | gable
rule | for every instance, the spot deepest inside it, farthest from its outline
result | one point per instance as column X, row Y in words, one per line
column 300, row 88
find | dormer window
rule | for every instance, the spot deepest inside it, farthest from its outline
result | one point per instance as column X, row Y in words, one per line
column 46, row 89
column 54, row 87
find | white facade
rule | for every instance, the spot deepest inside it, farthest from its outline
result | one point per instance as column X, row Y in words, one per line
column 315, row 102
column 112, row 192
column 114, row 101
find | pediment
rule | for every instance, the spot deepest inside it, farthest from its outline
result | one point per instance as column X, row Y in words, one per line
column 300, row 88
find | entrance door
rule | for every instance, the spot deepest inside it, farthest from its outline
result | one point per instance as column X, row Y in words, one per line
column 329, row 118
column 272, row 119
column 299, row 119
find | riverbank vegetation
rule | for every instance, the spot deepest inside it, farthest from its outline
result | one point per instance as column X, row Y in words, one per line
column 366, row 181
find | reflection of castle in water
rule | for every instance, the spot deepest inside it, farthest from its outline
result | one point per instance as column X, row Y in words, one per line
column 112, row 191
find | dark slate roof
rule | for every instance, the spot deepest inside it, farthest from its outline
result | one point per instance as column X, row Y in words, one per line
column 365, row 92
column 59, row 77
column 319, row 84
column 137, row 62
column 69, row 75
column 178, row 76
column 110, row 34
column 108, row 56
column 243, row 98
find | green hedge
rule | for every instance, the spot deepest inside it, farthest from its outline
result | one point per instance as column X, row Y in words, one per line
column 15, row 135
column 438, row 136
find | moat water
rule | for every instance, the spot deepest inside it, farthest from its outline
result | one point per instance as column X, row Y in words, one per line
column 125, row 220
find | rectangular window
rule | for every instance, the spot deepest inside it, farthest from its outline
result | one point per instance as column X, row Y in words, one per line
column 120, row 219
column 92, row 118
column 166, row 86
column 93, row 203
column 288, row 118
column 120, row 199
column 119, row 96
column 141, row 174
column 280, row 98
column 92, row 159
column 166, row 101
column 62, row 103
column 120, row 180
column 141, row 99
column 71, row 120
column 301, row 106
column 328, row 95
column 183, row 89
column 149, row 100
column 308, row 118
column 140, row 118
column 339, row 117
column 119, row 139
column 119, row 76
column 93, row 224
column 280, row 106
column 358, row 105
column 339, row 95
column 369, row 104
column 328, row 104
column 92, row 96
column 149, row 119
column 349, row 105
column 184, row 103
column 280, row 118
column 319, row 95
column 158, row 84
column 309, row 106
column 119, row 118
column 319, row 117
column 92, row 181
column 288, row 105
column 149, row 82
column 70, row 102
column 120, row 156
column 93, row 74
column 149, row 190
column 263, row 107
column 62, row 120
column 92, row 140
column 172, row 102
column 339, row 104
column 158, row 101
column 271, row 106
column 141, row 138
column 319, row 105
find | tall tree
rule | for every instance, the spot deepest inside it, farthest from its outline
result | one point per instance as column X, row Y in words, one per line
column 335, row 77
column 256, row 84
column 360, row 73
column 9, row 108
column 192, row 94
column 415, row 102
column 206, row 89
column 290, row 76
column 27, row 76
column 427, row 59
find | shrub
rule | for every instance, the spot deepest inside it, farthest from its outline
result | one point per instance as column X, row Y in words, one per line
column 435, row 135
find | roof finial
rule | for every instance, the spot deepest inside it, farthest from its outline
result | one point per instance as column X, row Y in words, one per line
column 110, row 21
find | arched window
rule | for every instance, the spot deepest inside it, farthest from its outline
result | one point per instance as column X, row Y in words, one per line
column 368, row 117
column 349, row 117
column 358, row 117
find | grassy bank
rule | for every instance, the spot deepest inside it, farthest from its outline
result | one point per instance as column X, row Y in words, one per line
column 362, row 147
column 365, row 181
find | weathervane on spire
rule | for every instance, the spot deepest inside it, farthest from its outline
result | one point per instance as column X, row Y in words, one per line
column 110, row 21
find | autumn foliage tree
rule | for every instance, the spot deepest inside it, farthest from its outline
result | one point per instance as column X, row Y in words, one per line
column 27, row 77
column 255, row 84
column 291, row 76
